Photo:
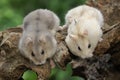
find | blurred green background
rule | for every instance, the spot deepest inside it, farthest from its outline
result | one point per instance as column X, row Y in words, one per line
column 12, row 12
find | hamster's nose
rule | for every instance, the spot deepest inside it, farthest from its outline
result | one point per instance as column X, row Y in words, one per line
column 39, row 63
column 42, row 62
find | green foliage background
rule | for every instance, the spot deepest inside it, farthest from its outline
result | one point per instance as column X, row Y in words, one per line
column 12, row 12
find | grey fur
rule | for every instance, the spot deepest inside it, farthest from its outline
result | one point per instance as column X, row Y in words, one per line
column 39, row 28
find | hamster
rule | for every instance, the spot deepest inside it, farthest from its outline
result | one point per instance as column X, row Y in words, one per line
column 84, row 30
column 38, row 42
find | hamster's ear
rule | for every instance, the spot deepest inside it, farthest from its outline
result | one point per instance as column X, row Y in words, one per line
column 42, row 39
column 29, row 41
column 84, row 32
column 72, row 36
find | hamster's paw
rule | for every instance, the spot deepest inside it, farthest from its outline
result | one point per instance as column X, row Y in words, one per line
column 75, row 63
column 42, row 62
column 101, row 39
column 61, row 28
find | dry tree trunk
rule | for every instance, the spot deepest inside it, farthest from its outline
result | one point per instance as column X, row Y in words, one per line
column 12, row 64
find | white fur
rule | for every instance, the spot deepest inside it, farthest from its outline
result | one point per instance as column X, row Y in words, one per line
column 84, row 28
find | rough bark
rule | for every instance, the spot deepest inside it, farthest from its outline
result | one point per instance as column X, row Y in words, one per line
column 12, row 64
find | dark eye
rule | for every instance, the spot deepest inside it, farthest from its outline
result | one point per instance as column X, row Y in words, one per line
column 42, row 52
column 89, row 45
column 79, row 48
column 32, row 54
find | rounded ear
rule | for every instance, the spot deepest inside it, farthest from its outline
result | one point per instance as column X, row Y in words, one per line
column 72, row 36
column 42, row 39
column 84, row 32
column 29, row 41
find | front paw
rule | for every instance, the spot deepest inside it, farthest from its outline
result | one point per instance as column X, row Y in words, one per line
column 101, row 39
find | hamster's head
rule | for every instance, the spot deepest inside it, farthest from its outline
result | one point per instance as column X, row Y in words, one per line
column 40, row 49
column 79, row 43
column 79, row 46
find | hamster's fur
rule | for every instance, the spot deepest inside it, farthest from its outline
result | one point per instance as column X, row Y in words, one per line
column 84, row 30
column 37, row 42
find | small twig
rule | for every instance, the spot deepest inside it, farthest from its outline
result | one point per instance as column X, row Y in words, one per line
column 57, row 65
column 111, row 27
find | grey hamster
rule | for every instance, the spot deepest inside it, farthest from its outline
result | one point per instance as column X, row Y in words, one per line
column 38, row 42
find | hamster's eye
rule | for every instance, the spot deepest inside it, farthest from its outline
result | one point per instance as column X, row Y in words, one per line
column 89, row 45
column 32, row 54
column 79, row 48
column 42, row 52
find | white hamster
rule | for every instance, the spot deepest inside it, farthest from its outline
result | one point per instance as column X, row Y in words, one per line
column 37, row 42
column 84, row 30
